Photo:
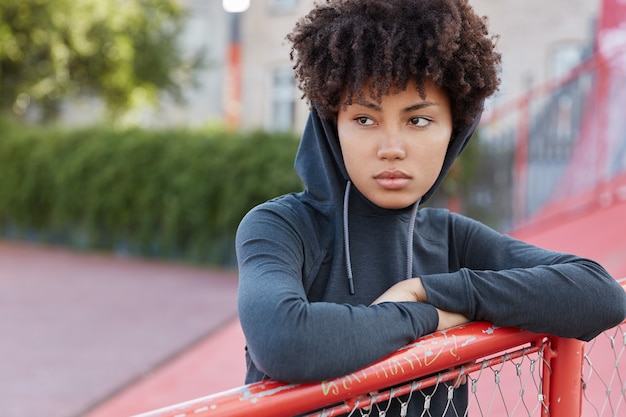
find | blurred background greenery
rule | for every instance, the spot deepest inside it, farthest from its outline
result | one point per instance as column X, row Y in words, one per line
column 176, row 192
column 169, row 193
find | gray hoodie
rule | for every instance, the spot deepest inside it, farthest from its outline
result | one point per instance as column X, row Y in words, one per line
column 310, row 264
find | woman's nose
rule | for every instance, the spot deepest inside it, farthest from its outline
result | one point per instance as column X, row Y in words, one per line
column 391, row 146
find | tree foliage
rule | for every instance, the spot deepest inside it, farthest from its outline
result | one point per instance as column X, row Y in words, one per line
column 122, row 51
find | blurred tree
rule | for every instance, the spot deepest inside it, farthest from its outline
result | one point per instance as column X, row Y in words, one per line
column 463, row 171
column 122, row 51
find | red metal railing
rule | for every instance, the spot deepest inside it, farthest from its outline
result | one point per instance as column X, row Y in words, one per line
column 558, row 141
column 429, row 361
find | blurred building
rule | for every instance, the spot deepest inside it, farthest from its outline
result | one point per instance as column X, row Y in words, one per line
column 539, row 40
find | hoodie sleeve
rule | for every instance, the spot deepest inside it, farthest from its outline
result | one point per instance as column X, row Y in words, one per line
column 514, row 284
column 291, row 339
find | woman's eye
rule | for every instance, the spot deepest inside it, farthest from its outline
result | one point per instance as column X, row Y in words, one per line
column 364, row 121
column 419, row 121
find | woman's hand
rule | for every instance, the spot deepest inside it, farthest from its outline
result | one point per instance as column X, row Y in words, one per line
column 412, row 290
column 448, row 319
column 407, row 290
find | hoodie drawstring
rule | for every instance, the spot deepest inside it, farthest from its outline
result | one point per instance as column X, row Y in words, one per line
column 409, row 243
column 346, row 239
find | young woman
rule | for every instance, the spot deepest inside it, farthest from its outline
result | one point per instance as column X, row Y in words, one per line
column 350, row 270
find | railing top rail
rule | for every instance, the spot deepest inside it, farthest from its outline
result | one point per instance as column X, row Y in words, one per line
column 430, row 354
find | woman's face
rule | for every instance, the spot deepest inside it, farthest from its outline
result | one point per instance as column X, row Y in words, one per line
column 394, row 150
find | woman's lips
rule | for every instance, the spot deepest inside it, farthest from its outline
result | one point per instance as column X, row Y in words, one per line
column 392, row 180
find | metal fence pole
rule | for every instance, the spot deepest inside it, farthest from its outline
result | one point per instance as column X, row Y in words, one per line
column 565, row 393
column 520, row 164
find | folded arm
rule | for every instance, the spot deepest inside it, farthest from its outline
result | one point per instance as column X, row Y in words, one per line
column 294, row 340
column 511, row 283
column 412, row 290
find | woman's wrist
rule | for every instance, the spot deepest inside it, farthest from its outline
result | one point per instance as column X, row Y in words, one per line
column 419, row 290
column 410, row 290
column 448, row 319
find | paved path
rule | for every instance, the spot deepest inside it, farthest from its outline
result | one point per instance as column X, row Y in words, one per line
column 79, row 331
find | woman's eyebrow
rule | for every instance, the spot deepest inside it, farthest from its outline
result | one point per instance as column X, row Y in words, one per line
column 369, row 105
column 419, row 106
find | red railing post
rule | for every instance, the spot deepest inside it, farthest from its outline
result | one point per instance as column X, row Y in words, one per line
column 520, row 169
column 565, row 378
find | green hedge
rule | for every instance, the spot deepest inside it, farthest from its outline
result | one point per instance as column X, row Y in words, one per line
column 174, row 194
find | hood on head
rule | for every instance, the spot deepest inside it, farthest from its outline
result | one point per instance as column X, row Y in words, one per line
column 319, row 161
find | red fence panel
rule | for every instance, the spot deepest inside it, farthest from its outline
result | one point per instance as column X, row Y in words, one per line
column 428, row 355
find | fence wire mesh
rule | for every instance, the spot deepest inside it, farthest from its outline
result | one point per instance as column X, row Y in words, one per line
column 512, row 388
column 507, row 384
column 510, row 384
column 604, row 374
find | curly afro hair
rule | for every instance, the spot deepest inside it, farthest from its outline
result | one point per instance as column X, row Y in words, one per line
column 343, row 44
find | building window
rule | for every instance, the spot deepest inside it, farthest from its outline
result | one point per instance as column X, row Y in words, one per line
column 565, row 57
column 282, row 6
column 283, row 99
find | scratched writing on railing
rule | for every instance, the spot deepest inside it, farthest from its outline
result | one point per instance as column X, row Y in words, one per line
column 417, row 356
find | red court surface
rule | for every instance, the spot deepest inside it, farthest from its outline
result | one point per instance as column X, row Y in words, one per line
column 215, row 364
column 598, row 233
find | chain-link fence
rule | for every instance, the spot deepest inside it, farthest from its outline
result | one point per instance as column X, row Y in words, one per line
column 604, row 374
